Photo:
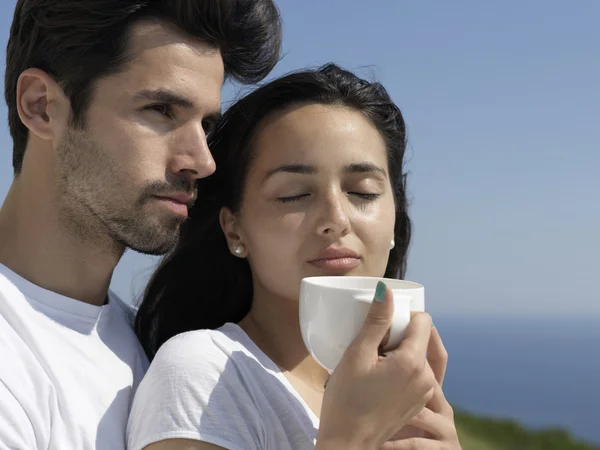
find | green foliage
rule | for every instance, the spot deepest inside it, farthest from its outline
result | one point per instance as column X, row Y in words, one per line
column 477, row 433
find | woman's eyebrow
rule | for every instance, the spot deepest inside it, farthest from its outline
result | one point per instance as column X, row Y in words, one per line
column 364, row 168
column 303, row 169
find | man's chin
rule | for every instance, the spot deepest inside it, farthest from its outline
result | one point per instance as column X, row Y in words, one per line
column 151, row 251
column 154, row 242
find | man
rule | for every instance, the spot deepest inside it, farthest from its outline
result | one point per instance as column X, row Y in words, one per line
column 109, row 105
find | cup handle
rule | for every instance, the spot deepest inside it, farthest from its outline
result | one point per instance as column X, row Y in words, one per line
column 400, row 321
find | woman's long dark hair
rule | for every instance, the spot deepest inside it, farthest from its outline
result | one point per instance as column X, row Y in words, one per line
column 200, row 284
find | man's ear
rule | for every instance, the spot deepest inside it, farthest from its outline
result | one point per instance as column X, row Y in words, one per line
column 42, row 105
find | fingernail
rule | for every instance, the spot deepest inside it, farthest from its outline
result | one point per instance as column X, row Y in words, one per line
column 380, row 291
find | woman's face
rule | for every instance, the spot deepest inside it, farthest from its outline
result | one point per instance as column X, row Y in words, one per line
column 317, row 200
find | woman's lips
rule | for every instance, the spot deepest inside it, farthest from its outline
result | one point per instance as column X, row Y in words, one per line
column 341, row 263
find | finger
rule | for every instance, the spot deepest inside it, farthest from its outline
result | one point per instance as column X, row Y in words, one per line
column 437, row 356
column 407, row 432
column 413, row 444
column 439, row 404
column 384, row 342
column 377, row 322
column 416, row 336
column 436, row 425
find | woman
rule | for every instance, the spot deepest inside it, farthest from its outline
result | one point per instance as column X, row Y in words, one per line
column 309, row 182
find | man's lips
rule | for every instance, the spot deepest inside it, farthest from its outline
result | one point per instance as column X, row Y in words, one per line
column 181, row 197
column 177, row 203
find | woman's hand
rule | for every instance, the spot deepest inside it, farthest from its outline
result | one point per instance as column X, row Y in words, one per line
column 433, row 428
column 369, row 398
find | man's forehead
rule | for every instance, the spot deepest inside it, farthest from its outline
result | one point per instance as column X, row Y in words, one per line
column 148, row 34
column 165, row 60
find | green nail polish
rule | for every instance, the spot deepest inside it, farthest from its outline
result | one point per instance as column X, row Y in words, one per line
column 380, row 291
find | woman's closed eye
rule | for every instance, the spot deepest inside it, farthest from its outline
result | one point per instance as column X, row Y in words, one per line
column 362, row 195
column 365, row 196
column 292, row 198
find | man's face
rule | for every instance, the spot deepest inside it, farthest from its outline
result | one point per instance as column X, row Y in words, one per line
column 130, row 173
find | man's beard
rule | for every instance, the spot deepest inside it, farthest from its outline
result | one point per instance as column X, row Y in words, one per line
column 97, row 203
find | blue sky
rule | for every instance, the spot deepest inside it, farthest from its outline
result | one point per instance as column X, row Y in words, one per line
column 502, row 103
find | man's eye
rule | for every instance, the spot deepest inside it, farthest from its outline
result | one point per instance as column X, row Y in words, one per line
column 161, row 108
column 209, row 126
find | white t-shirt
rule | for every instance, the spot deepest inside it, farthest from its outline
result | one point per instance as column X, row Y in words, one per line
column 218, row 387
column 68, row 370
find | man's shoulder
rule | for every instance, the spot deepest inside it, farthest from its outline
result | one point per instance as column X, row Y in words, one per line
column 21, row 373
column 16, row 355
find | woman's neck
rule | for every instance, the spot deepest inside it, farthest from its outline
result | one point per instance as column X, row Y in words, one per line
column 274, row 326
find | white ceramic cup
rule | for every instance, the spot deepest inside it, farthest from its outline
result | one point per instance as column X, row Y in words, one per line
column 333, row 310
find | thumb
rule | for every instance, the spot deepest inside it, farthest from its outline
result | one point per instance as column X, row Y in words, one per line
column 378, row 320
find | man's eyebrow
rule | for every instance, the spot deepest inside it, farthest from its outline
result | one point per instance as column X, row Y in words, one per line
column 162, row 96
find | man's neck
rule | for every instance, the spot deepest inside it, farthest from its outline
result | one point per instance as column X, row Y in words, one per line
column 36, row 245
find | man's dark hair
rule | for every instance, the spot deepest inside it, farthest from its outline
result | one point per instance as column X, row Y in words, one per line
column 78, row 42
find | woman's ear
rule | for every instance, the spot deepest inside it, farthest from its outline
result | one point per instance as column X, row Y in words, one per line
column 231, row 230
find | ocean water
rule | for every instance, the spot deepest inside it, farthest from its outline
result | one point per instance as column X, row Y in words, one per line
column 542, row 372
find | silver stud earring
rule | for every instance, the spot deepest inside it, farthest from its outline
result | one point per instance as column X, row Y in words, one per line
column 238, row 250
column 392, row 244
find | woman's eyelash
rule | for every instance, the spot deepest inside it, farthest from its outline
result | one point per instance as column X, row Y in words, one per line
column 294, row 198
column 365, row 196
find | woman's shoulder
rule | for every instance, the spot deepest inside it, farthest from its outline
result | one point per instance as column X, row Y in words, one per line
column 193, row 350
column 194, row 390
